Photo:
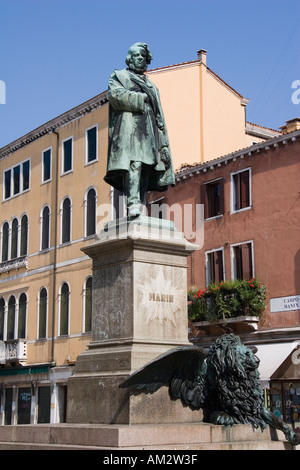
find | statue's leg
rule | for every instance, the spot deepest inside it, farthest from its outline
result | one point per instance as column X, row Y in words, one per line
column 132, row 189
column 145, row 175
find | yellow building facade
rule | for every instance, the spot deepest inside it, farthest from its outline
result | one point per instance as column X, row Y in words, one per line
column 206, row 117
column 52, row 187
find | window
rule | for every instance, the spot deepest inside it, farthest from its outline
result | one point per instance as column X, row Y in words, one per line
column 66, row 221
column 214, row 266
column 5, row 241
column 11, row 318
column 46, row 165
column 45, row 228
column 14, row 239
column 212, row 196
column 26, row 175
column 91, row 212
column 67, row 163
column 242, row 261
column 91, row 144
column 22, row 316
column 241, row 191
column 7, row 182
column 16, row 179
column 2, row 314
column 24, row 235
column 88, row 305
column 42, row 315
column 64, row 309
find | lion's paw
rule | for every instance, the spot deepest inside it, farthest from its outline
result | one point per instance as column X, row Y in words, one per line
column 293, row 438
column 222, row 418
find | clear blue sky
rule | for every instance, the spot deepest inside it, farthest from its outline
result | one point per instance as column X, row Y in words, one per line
column 56, row 54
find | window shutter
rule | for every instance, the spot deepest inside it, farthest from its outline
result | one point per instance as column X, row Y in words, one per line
column 204, row 199
column 237, row 199
column 221, row 186
column 245, row 195
column 238, row 262
column 246, row 261
column 218, row 266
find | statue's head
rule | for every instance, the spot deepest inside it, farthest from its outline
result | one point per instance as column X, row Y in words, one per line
column 138, row 57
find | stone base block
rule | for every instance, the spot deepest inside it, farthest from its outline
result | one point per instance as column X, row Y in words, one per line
column 188, row 436
column 94, row 395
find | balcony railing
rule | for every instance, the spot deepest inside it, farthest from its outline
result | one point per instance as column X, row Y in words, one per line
column 16, row 263
column 14, row 350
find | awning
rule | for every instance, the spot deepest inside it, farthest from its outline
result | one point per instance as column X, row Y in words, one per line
column 271, row 357
column 25, row 370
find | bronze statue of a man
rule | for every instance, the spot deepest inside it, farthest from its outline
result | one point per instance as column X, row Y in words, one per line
column 139, row 157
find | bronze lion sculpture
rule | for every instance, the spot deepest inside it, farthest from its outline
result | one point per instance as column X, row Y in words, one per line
column 223, row 381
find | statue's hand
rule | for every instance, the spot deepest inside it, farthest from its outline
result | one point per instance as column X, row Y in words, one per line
column 146, row 98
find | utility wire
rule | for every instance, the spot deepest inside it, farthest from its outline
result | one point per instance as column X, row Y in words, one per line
column 277, row 86
column 275, row 66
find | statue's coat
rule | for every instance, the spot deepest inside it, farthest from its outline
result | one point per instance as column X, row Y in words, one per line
column 137, row 130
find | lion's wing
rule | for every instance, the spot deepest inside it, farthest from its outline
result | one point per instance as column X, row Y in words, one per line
column 180, row 368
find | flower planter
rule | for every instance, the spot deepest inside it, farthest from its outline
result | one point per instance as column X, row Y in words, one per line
column 234, row 325
column 227, row 301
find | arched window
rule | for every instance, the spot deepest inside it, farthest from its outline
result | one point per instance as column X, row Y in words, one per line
column 22, row 316
column 5, row 241
column 2, row 314
column 45, row 229
column 88, row 305
column 43, row 306
column 91, row 212
column 11, row 318
column 66, row 221
column 14, row 239
column 64, row 309
column 24, row 235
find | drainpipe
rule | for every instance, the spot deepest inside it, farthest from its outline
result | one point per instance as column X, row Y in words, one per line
column 55, row 249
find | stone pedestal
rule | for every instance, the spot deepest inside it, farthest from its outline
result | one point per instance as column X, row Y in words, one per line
column 139, row 312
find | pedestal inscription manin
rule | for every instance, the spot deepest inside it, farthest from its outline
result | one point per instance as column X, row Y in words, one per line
column 159, row 296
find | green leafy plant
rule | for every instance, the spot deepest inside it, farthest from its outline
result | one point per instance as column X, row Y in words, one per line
column 227, row 299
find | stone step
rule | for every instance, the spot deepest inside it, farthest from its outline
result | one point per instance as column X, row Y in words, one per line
column 247, row 445
column 195, row 436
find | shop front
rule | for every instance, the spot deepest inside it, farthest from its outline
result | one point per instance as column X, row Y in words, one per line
column 280, row 377
column 33, row 394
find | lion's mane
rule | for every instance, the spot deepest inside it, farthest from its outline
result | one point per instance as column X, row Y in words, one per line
column 232, row 382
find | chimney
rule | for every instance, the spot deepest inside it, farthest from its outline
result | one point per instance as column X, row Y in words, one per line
column 202, row 56
column 291, row 125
